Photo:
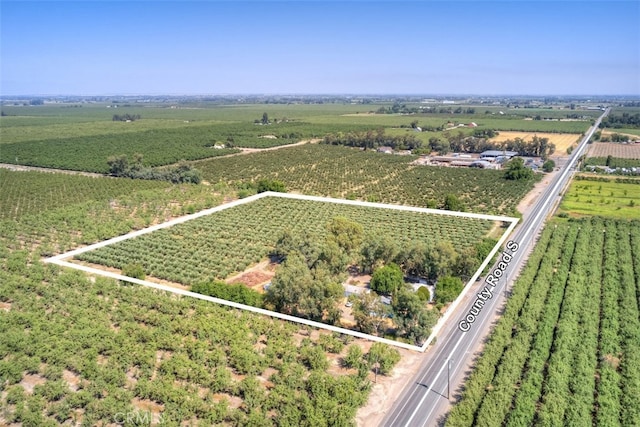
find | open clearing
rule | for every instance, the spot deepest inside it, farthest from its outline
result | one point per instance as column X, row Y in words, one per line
column 620, row 151
column 562, row 141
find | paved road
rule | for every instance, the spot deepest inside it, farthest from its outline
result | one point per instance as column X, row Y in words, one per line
column 424, row 401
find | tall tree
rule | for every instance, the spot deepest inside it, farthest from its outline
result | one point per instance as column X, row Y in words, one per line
column 387, row 279
column 346, row 233
column 412, row 317
column 377, row 250
column 369, row 312
column 443, row 257
column 516, row 170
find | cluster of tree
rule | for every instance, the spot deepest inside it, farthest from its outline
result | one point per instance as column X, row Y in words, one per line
column 382, row 255
column 372, row 139
column 537, row 146
column 548, row 166
column 400, row 108
column 249, row 188
column 447, row 289
column 485, row 133
column 381, row 358
column 424, row 127
column 264, row 120
column 412, row 319
column 270, row 185
column 516, row 170
column 236, row 292
column 308, row 282
column 397, row 108
column 182, row 172
column 125, row 117
column 624, row 120
column 615, row 137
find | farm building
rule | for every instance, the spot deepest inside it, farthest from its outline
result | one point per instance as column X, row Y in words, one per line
column 494, row 154
column 483, row 164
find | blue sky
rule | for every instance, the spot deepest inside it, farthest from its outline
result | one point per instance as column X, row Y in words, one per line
column 356, row 47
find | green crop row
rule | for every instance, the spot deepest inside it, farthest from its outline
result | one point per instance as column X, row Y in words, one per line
column 28, row 193
column 229, row 241
column 350, row 173
column 569, row 355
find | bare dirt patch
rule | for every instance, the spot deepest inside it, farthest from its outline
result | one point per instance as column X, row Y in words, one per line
column 387, row 388
column 6, row 306
column 29, row 381
column 132, row 377
column 527, row 202
column 256, row 276
column 71, row 379
column 146, row 405
column 562, row 141
column 232, row 401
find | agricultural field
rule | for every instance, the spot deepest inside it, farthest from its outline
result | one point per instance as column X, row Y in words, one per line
column 52, row 213
column 82, row 352
column 567, row 349
column 82, row 137
column 28, row 193
column 605, row 197
column 342, row 172
column 76, row 350
column 562, row 141
column 616, row 150
column 49, row 137
column 227, row 242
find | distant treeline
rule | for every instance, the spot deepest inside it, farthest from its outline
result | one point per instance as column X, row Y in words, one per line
column 624, row 120
column 537, row 147
column 182, row 172
column 398, row 108
column 373, row 139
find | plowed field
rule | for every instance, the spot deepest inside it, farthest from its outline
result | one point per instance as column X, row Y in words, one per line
column 620, row 151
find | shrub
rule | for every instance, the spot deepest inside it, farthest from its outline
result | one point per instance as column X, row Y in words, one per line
column 387, row 279
column 423, row 293
column 448, row 288
column 134, row 270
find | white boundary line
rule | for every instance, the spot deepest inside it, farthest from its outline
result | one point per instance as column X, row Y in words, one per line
column 60, row 260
